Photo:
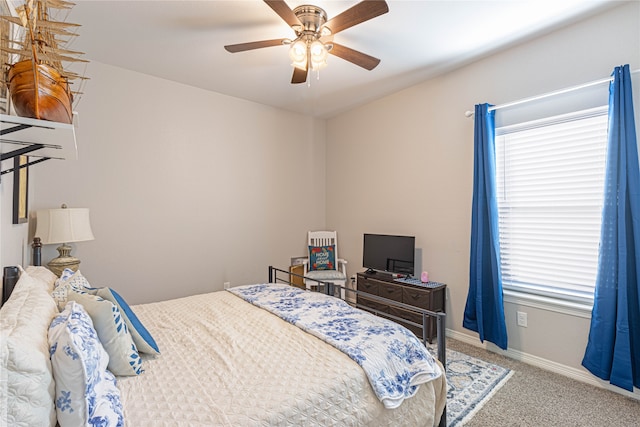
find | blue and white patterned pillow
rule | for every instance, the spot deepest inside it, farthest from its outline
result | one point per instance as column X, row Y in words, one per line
column 66, row 273
column 69, row 281
column 112, row 332
column 86, row 393
column 141, row 336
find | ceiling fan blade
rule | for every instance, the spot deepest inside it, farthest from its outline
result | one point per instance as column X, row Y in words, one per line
column 299, row 75
column 357, row 14
column 284, row 11
column 241, row 47
column 353, row 56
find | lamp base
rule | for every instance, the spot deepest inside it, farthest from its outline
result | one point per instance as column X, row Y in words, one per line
column 64, row 260
column 58, row 265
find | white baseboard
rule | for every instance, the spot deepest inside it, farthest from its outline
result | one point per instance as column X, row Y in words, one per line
column 548, row 365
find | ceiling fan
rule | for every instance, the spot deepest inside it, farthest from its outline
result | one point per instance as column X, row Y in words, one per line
column 314, row 35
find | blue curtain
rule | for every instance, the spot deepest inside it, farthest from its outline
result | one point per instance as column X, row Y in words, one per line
column 613, row 349
column 484, row 311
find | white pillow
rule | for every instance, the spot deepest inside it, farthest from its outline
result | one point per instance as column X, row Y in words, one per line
column 86, row 393
column 47, row 276
column 113, row 333
column 26, row 379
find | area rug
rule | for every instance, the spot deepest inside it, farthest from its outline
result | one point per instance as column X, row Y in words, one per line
column 471, row 383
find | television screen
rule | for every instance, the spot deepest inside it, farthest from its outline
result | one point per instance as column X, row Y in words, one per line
column 395, row 254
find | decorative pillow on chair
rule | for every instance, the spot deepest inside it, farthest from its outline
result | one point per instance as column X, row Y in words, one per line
column 113, row 333
column 322, row 258
column 86, row 393
column 141, row 337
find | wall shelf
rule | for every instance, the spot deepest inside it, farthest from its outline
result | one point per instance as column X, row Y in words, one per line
column 39, row 139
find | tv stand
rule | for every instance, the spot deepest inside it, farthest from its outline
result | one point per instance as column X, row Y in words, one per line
column 428, row 296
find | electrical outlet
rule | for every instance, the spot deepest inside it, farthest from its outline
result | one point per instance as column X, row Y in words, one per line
column 227, row 285
column 522, row 318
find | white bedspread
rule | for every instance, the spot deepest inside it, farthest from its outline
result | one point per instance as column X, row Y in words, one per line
column 393, row 358
column 225, row 362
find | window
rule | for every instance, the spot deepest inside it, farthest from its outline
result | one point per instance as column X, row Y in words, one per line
column 550, row 182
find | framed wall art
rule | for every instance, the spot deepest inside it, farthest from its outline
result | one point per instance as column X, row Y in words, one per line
column 20, row 189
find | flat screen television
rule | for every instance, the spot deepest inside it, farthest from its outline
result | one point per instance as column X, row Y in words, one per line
column 393, row 254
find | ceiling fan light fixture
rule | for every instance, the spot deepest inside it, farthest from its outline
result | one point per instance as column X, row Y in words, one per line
column 317, row 50
column 318, row 54
column 298, row 54
column 314, row 35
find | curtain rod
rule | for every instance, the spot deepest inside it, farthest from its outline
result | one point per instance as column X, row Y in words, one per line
column 548, row 94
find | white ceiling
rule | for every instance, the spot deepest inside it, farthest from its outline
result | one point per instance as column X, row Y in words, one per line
column 417, row 39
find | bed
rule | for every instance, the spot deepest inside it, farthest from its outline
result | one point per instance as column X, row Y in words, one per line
column 224, row 360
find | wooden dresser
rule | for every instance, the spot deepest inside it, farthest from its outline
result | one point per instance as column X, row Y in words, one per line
column 428, row 296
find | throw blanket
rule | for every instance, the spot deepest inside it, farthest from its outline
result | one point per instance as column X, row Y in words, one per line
column 393, row 359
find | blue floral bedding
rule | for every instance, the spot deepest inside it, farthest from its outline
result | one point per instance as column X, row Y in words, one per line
column 394, row 360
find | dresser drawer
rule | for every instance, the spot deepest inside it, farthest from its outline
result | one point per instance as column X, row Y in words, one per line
column 429, row 297
column 390, row 291
column 432, row 299
column 368, row 286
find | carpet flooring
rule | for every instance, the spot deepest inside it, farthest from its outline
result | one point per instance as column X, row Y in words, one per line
column 535, row 397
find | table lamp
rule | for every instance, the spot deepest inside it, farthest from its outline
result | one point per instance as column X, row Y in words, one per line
column 64, row 225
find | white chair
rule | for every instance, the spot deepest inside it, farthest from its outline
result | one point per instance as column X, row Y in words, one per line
column 323, row 263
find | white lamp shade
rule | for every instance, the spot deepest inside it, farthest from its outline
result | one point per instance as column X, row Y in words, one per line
column 63, row 225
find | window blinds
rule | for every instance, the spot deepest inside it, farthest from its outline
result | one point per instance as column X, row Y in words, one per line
column 550, row 181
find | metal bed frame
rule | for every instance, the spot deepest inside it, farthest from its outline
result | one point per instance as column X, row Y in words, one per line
column 328, row 288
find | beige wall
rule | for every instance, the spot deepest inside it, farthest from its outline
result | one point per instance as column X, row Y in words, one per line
column 404, row 164
column 187, row 189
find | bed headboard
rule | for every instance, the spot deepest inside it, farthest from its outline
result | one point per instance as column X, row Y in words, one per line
column 10, row 277
column 11, row 274
column 37, row 251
